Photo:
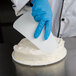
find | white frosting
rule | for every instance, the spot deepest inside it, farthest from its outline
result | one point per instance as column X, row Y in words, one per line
column 27, row 53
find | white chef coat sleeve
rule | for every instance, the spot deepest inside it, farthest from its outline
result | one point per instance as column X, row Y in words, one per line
column 18, row 6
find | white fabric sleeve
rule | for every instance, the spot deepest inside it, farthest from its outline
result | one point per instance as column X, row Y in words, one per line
column 18, row 6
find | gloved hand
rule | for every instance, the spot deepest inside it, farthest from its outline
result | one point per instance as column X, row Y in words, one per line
column 41, row 11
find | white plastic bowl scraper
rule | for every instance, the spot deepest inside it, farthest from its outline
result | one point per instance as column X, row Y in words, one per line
column 27, row 26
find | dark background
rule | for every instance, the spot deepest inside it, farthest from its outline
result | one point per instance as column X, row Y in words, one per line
column 7, row 18
column 8, row 38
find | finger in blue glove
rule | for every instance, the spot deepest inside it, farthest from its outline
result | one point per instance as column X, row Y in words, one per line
column 42, row 13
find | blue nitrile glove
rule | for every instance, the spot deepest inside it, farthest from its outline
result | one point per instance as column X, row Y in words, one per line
column 42, row 13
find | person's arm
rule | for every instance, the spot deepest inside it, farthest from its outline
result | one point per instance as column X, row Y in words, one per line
column 18, row 6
